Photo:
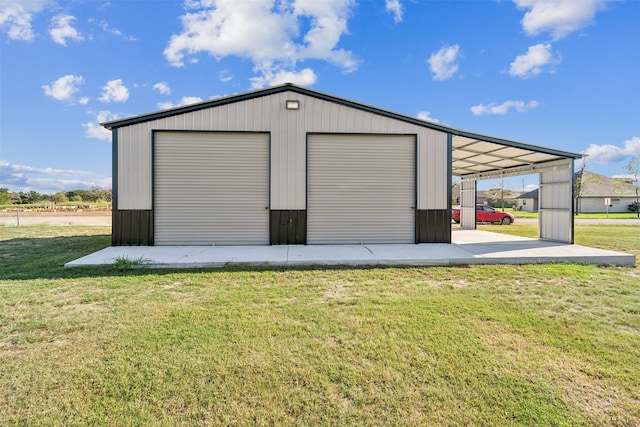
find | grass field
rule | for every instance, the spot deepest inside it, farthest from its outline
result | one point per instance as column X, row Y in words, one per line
column 483, row 345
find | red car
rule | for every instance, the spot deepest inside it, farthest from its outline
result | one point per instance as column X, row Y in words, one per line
column 485, row 213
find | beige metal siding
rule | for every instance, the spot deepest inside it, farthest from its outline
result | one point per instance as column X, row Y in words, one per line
column 134, row 168
column 468, row 204
column 211, row 188
column 361, row 189
column 433, row 167
column 288, row 131
column 555, row 196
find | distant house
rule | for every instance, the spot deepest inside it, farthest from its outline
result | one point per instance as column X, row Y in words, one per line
column 528, row 201
column 455, row 194
column 481, row 196
column 597, row 188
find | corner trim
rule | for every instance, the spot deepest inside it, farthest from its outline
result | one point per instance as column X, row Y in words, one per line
column 114, row 183
column 450, row 179
column 573, row 197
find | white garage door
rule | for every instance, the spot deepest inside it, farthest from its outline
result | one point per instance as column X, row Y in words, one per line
column 361, row 189
column 211, row 188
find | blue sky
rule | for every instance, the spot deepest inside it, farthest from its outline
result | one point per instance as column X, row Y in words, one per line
column 557, row 73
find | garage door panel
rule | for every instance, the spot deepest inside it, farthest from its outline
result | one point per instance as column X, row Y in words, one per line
column 211, row 188
column 361, row 189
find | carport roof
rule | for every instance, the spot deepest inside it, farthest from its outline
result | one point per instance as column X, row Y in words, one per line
column 472, row 153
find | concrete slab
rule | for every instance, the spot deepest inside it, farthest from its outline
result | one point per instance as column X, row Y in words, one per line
column 468, row 247
column 401, row 255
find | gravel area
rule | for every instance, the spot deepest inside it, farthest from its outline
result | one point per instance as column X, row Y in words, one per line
column 12, row 218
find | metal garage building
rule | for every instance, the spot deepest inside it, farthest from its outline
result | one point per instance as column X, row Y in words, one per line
column 290, row 165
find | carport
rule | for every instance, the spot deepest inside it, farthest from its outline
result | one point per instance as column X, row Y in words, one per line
column 478, row 157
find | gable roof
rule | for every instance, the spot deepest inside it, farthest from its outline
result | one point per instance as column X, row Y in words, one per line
column 533, row 194
column 596, row 185
column 472, row 152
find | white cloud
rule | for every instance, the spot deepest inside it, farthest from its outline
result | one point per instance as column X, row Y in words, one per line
column 304, row 77
column 114, row 91
column 163, row 88
column 328, row 23
column 533, row 62
column 105, row 27
column 61, row 29
column 519, row 106
column 16, row 16
column 48, row 180
column 64, row 88
column 394, row 7
column 7, row 167
column 275, row 35
column 426, row 115
column 94, row 130
column 558, row 17
column 608, row 153
column 186, row 100
column 248, row 29
column 225, row 76
column 443, row 63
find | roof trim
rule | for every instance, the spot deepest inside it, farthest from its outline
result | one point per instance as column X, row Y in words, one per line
column 114, row 124
column 533, row 194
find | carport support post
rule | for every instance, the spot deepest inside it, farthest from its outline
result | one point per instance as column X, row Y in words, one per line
column 468, row 190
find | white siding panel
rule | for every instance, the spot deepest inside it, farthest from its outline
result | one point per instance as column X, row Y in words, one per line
column 555, row 196
column 134, row 169
column 211, row 188
column 361, row 189
column 433, row 169
column 468, row 204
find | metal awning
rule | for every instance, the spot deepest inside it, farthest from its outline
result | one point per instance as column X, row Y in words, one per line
column 478, row 154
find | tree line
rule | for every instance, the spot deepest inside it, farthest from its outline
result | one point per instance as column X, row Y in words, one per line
column 95, row 194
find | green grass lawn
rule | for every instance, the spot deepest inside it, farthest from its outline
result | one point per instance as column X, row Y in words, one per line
column 482, row 345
